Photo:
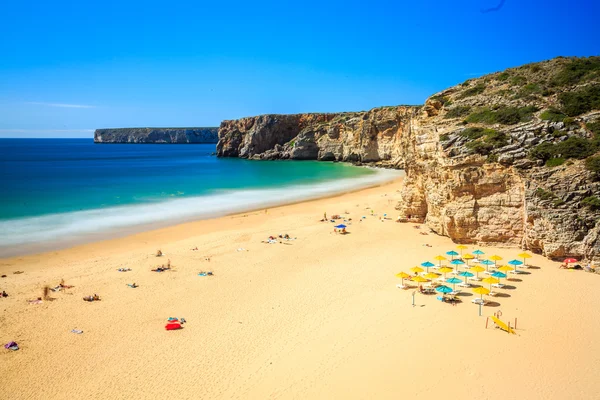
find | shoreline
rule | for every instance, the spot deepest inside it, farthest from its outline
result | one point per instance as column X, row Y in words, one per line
column 150, row 229
column 86, row 237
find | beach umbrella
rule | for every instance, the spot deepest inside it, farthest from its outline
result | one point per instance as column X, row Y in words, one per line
column 440, row 258
column 417, row 269
column 403, row 276
column 418, row 278
column 498, row 274
column 478, row 252
column 468, row 257
column 524, row 256
column 457, row 262
column 431, row 275
column 443, row 289
column 515, row 262
column 466, row 275
column 570, row 260
column 445, row 270
column 481, row 290
column 487, row 264
column 340, row 226
column 477, row 269
column 461, row 247
column 453, row 281
column 427, row 264
column 505, row 268
column 452, row 253
column 491, row 280
column 495, row 258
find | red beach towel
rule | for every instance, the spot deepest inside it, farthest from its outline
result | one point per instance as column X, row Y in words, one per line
column 171, row 326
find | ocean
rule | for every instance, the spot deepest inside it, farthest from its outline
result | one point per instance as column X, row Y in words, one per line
column 60, row 192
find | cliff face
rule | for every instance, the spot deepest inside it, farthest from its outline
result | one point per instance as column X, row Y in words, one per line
column 511, row 157
column 371, row 136
column 156, row 135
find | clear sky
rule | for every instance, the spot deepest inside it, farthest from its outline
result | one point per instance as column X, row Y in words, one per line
column 68, row 67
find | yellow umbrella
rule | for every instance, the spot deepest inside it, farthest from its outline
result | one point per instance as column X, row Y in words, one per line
column 477, row 269
column 418, row 278
column 524, row 256
column 445, row 270
column 495, row 258
column 440, row 259
column 468, row 257
column 481, row 290
column 432, row 275
column 505, row 268
column 403, row 275
column 461, row 247
column 491, row 280
column 417, row 269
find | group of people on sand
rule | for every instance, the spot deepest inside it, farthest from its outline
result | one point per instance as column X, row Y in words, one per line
column 163, row 267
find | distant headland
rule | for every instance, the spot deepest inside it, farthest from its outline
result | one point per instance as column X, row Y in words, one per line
column 157, row 135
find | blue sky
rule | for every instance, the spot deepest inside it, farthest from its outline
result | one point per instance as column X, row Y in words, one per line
column 68, row 67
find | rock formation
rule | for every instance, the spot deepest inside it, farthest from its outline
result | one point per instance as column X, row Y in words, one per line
column 156, row 135
column 507, row 158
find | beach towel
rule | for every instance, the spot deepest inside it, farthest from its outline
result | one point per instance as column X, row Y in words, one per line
column 171, row 326
column 77, row 331
column 11, row 346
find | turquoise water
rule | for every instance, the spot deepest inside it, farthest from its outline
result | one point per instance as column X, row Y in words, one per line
column 65, row 189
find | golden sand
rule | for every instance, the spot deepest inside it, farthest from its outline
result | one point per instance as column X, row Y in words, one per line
column 318, row 317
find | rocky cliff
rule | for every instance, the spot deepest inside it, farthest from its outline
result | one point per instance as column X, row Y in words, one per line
column 156, row 135
column 510, row 158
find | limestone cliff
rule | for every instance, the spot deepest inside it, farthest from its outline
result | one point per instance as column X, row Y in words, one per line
column 156, row 135
column 507, row 158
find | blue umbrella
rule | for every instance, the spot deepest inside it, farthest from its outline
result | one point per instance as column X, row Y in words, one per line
column 478, row 252
column 427, row 264
column 487, row 264
column 499, row 274
column 466, row 274
column 443, row 289
column 340, row 226
column 452, row 253
column 453, row 281
column 457, row 262
column 515, row 262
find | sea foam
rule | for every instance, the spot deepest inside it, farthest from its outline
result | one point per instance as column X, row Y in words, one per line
column 49, row 232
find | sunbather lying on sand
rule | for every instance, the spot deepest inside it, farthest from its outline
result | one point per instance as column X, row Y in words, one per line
column 203, row 273
column 124, row 269
column 95, row 297
column 160, row 269
column 132, row 285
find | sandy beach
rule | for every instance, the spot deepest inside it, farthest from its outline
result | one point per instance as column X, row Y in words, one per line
column 317, row 317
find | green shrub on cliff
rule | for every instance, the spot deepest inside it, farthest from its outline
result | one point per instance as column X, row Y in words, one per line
column 544, row 194
column 445, row 100
column 552, row 114
column 457, row 112
column 475, row 90
column 555, row 162
column 483, row 141
column 502, row 115
column 594, row 127
column 592, row 202
column 581, row 101
column 593, row 164
column 577, row 71
column 554, row 154
column 503, row 76
column 529, row 90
